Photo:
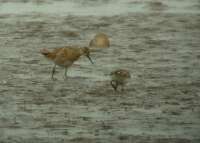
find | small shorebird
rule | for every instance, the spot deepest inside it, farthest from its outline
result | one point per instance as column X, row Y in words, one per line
column 65, row 56
column 119, row 78
column 100, row 40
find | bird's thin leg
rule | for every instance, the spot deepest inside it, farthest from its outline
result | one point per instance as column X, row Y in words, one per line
column 65, row 73
column 53, row 71
column 114, row 85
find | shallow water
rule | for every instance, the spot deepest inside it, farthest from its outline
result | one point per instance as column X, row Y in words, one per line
column 157, row 43
column 97, row 8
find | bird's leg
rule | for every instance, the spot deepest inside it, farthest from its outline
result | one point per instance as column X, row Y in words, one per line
column 65, row 73
column 114, row 85
column 53, row 71
column 122, row 88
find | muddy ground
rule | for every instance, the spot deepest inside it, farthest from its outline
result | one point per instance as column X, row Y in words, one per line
column 157, row 42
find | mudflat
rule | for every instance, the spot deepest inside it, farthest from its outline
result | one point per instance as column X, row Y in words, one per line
column 157, row 41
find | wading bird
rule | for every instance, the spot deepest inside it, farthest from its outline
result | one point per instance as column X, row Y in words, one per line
column 119, row 77
column 65, row 56
column 100, row 40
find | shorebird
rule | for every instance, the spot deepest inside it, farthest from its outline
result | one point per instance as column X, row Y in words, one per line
column 119, row 78
column 100, row 40
column 65, row 56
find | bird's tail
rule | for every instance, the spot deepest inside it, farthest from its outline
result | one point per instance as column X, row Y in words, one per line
column 48, row 54
column 44, row 51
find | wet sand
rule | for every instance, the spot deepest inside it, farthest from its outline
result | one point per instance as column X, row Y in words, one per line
column 157, row 42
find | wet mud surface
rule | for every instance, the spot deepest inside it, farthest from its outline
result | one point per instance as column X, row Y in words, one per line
column 156, row 43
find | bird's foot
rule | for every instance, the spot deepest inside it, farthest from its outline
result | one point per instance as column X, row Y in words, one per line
column 65, row 77
column 54, row 79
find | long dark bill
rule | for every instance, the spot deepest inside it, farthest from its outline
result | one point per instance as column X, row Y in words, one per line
column 90, row 59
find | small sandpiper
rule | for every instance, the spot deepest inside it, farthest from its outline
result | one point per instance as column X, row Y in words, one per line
column 119, row 77
column 65, row 56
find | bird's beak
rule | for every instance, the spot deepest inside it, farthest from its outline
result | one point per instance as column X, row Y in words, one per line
column 88, row 56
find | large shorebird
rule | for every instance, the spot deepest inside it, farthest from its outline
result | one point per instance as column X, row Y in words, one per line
column 119, row 78
column 65, row 56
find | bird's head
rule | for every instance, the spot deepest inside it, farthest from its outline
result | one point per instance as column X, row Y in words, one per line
column 86, row 52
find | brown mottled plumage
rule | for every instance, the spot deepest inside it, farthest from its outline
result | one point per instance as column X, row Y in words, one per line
column 100, row 40
column 65, row 56
column 119, row 78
